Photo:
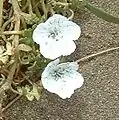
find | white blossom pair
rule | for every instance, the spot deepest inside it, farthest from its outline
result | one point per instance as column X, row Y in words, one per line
column 56, row 37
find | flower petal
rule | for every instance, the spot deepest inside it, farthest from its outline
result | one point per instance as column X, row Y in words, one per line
column 50, row 53
column 70, row 30
column 49, row 82
column 51, row 85
column 56, row 19
column 71, row 83
column 41, row 33
column 65, row 93
column 52, row 65
column 78, row 81
column 62, row 79
column 67, row 47
column 53, row 50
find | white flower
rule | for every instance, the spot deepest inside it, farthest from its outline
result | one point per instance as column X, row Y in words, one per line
column 56, row 36
column 62, row 79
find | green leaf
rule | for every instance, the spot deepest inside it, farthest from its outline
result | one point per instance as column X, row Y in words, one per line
column 36, row 91
column 30, row 18
column 31, row 93
column 101, row 13
column 29, row 96
column 28, row 40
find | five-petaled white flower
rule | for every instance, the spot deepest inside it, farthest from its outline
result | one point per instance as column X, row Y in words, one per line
column 56, row 36
column 62, row 79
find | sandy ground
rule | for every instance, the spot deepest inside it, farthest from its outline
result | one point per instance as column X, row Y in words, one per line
column 98, row 98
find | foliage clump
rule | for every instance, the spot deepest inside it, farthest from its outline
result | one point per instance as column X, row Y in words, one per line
column 20, row 58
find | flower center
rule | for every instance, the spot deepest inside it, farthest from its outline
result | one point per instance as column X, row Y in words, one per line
column 54, row 35
column 58, row 73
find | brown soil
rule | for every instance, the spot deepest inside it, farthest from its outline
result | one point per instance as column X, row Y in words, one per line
column 98, row 98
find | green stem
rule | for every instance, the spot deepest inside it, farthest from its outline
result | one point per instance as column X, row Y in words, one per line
column 6, row 23
column 60, row 3
column 37, row 12
column 30, row 7
column 17, row 12
column 35, row 7
column 11, row 33
column 44, row 8
column 72, row 14
column 7, row 84
column 14, row 91
column 16, row 7
column 23, row 2
column 1, row 10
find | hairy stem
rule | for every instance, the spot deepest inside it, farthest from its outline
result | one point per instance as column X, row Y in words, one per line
column 96, row 54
